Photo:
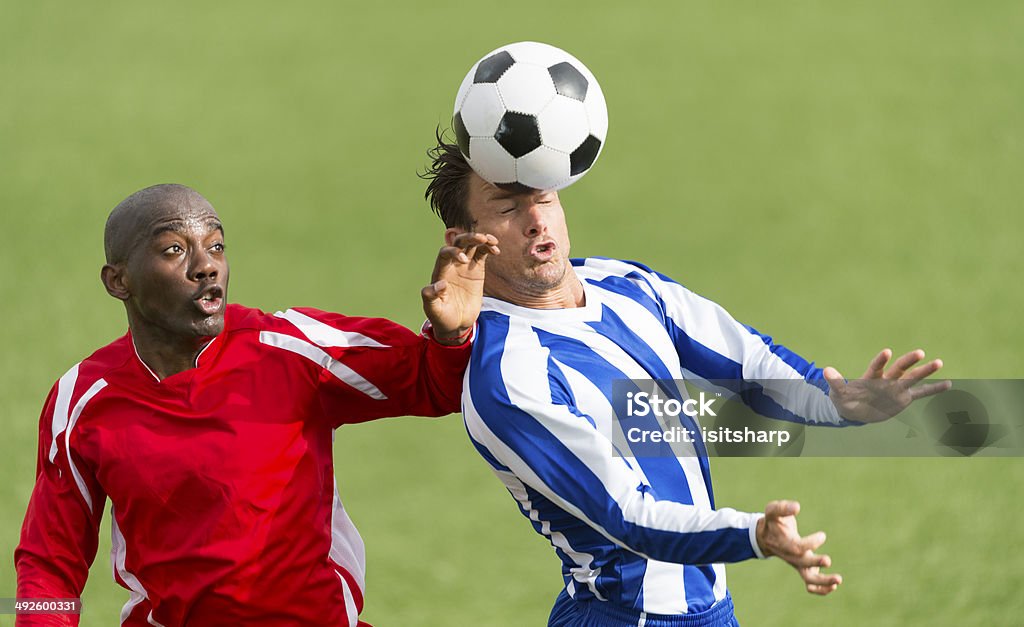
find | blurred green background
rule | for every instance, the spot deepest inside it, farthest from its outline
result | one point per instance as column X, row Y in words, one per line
column 844, row 176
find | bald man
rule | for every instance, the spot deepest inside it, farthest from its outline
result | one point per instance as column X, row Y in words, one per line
column 209, row 426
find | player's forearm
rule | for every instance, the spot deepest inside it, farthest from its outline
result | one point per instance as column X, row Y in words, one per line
column 441, row 369
column 551, row 450
column 583, row 477
column 59, row 538
column 792, row 400
column 39, row 578
column 662, row 530
column 684, row 534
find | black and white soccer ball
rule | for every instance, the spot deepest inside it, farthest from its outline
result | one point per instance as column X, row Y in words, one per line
column 530, row 116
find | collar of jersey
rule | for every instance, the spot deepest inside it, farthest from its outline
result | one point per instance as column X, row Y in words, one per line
column 199, row 357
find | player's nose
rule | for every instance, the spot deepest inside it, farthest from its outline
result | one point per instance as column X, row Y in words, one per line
column 535, row 221
column 202, row 265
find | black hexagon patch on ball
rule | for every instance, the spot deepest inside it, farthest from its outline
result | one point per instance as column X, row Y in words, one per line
column 519, row 134
column 584, row 155
column 569, row 82
column 491, row 68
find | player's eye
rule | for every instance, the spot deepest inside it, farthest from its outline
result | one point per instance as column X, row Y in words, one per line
column 218, row 247
column 508, row 210
column 174, row 249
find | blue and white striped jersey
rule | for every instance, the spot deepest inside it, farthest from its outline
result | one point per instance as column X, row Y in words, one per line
column 641, row 532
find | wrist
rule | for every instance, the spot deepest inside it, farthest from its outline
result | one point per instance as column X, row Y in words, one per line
column 456, row 337
column 757, row 538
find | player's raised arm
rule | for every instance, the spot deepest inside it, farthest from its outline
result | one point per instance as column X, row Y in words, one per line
column 388, row 370
column 717, row 347
column 452, row 300
column 882, row 393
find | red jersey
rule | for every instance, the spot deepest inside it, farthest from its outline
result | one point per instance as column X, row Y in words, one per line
column 221, row 478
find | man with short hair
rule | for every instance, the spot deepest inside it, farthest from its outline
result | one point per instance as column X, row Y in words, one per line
column 640, row 537
column 210, row 426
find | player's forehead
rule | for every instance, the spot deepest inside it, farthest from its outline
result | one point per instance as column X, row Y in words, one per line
column 483, row 192
column 181, row 215
column 480, row 190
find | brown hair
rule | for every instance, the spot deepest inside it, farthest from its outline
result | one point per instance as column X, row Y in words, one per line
column 448, row 187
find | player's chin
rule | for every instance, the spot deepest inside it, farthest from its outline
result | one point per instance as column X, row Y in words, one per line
column 209, row 325
column 552, row 271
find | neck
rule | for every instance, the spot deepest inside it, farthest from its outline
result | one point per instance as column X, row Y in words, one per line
column 566, row 295
column 165, row 356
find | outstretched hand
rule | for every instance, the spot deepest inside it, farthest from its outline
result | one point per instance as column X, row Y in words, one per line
column 777, row 535
column 453, row 298
column 881, row 394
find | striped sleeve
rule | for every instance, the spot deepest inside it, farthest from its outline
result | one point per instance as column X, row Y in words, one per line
column 520, row 424
column 59, row 536
column 716, row 348
column 371, row 368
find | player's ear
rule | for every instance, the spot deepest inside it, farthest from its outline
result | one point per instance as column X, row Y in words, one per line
column 450, row 235
column 114, row 281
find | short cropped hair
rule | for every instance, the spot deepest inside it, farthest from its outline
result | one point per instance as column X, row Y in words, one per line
column 121, row 233
column 448, row 186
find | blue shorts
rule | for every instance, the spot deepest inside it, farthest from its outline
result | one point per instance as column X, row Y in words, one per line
column 570, row 613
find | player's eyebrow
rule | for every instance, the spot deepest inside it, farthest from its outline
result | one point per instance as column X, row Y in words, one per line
column 174, row 227
column 178, row 226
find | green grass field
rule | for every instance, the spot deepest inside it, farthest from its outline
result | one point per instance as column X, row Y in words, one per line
column 844, row 176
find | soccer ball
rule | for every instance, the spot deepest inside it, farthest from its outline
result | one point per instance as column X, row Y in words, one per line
column 530, row 116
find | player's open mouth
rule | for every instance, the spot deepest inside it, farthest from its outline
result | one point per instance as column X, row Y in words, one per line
column 543, row 250
column 210, row 300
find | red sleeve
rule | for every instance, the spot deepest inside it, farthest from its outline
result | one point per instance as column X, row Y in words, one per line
column 379, row 369
column 60, row 533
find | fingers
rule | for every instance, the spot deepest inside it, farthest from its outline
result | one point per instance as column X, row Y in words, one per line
column 465, row 240
column 434, row 290
column 454, row 253
column 778, row 509
column 930, row 389
column 465, row 247
column 809, row 565
column 899, row 367
column 780, row 538
column 800, row 552
column 818, row 582
column 822, row 589
column 923, row 371
column 876, row 368
column 476, row 245
column 811, row 543
column 835, row 380
column 913, row 376
column 814, row 577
